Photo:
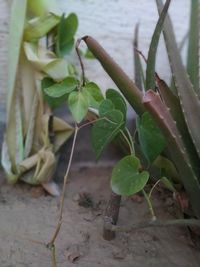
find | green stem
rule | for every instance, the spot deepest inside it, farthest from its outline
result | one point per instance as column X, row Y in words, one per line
column 128, row 142
column 149, row 205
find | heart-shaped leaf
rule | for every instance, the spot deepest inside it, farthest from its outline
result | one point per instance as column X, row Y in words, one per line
column 94, row 94
column 53, row 102
column 78, row 105
column 151, row 139
column 66, row 31
column 126, row 178
column 118, row 100
column 105, row 130
column 106, row 106
column 60, row 89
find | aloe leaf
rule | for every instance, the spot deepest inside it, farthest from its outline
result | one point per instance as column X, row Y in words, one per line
column 188, row 98
column 176, row 147
column 180, row 48
column 172, row 102
column 151, row 139
column 105, row 130
column 123, row 82
column 18, row 15
column 66, row 31
column 139, row 79
column 151, row 60
column 126, row 178
column 39, row 27
column 193, row 56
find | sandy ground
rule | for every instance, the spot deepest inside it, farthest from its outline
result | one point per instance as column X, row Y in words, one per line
column 29, row 216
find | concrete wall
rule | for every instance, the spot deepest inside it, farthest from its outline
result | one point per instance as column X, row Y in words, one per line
column 111, row 22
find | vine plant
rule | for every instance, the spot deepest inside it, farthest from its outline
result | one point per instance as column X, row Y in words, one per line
column 157, row 113
column 166, row 122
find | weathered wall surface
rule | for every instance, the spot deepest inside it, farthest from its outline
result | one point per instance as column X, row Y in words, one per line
column 112, row 23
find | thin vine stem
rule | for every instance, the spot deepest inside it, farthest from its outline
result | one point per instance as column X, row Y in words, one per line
column 131, row 140
column 153, row 187
column 64, row 189
column 53, row 257
column 128, row 142
column 153, row 216
column 81, row 62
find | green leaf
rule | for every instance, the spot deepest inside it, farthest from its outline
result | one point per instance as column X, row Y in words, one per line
column 66, row 31
column 106, row 106
column 94, row 94
column 167, row 168
column 151, row 139
column 168, row 184
column 172, row 102
column 46, row 61
column 39, row 27
column 88, row 54
column 105, row 130
column 193, row 56
column 57, row 69
column 72, row 70
column 189, row 100
column 176, row 148
column 40, row 7
column 53, row 102
column 78, row 105
column 139, row 75
column 151, row 60
column 18, row 15
column 118, row 101
column 60, row 89
column 126, row 178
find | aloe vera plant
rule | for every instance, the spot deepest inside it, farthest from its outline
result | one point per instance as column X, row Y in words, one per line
column 33, row 135
column 167, row 119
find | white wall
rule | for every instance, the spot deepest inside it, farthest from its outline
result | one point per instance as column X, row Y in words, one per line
column 112, row 23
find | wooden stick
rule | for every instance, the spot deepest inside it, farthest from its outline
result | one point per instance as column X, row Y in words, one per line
column 111, row 216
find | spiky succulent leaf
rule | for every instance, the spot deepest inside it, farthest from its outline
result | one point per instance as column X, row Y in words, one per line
column 189, row 100
column 151, row 60
column 175, row 146
column 194, row 44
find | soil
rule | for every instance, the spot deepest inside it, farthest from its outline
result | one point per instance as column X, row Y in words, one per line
column 29, row 216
